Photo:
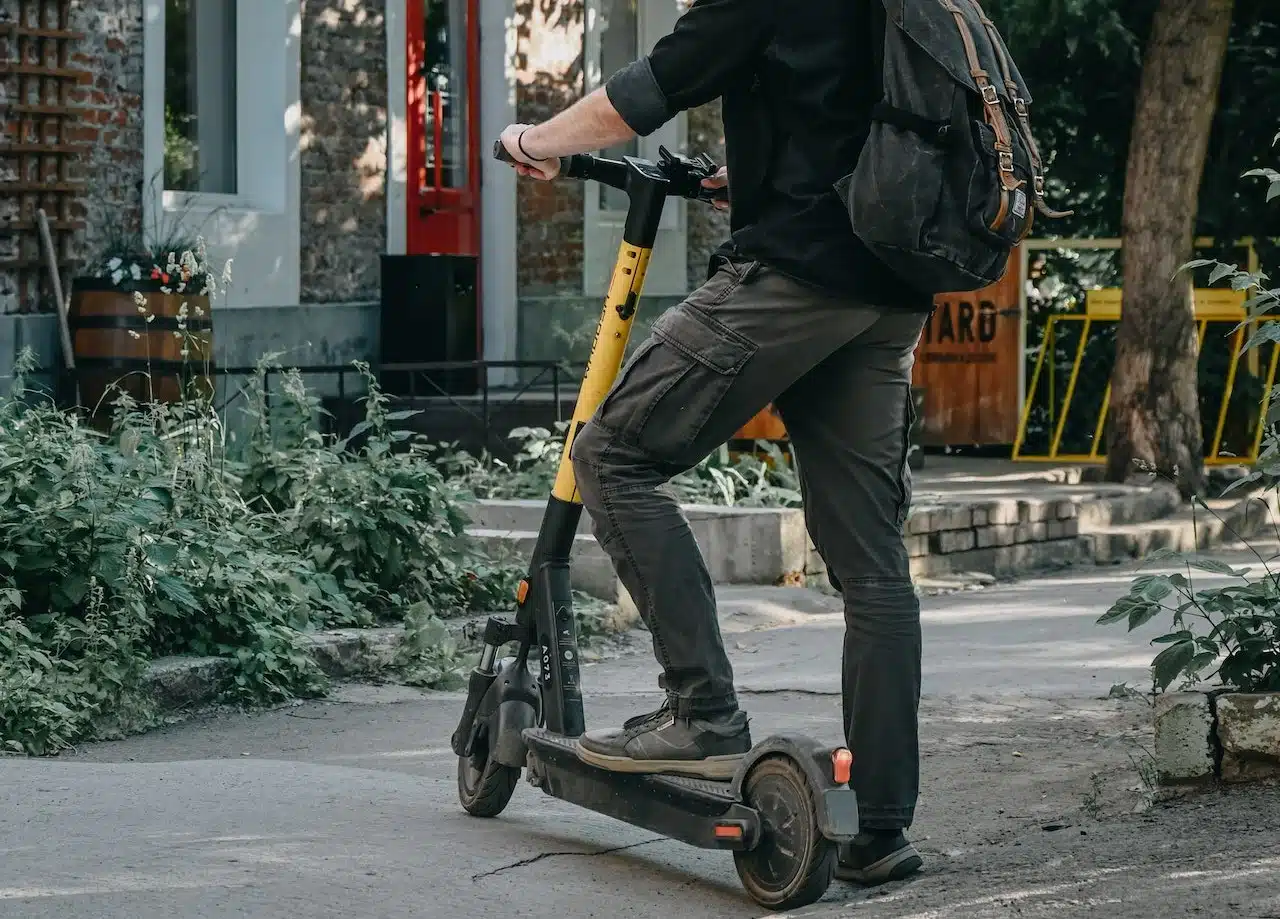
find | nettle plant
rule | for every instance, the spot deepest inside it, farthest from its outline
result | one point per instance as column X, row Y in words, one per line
column 1230, row 633
column 743, row 481
column 159, row 538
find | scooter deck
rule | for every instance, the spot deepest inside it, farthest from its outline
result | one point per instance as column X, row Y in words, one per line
column 700, row 812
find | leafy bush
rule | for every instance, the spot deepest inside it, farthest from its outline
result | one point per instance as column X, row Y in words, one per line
column 744, row 481
column 157, row 539
column 1231, row 633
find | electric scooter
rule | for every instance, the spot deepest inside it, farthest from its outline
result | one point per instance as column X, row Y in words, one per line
column 789, row 804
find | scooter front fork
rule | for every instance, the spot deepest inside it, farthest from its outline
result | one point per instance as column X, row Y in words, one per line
column 497, row 633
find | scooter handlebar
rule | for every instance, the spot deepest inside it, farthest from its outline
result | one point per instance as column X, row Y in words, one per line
column 567, row 163
column 610, row 172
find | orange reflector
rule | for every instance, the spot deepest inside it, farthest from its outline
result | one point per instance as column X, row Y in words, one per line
column 728, row 831
column 841, row 765
column 521, row 592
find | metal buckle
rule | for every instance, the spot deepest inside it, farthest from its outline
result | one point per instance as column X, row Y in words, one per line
column 989, row 95
column 1020, row 106
column 1006, row 163
column 1038, row 184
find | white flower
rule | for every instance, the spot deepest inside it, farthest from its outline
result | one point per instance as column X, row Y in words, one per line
column 117, row 276
column 133, row 334
column 226, row 272
column 113, row 264
column 185, row 352
column 151, row 317
column 135, row 271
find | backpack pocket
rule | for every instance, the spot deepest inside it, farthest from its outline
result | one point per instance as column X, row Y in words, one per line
column 1000, row 215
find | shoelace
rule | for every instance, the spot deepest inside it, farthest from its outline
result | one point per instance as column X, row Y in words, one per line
column 642, row 720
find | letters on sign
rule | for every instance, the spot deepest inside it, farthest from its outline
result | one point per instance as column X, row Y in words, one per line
column 960, row 324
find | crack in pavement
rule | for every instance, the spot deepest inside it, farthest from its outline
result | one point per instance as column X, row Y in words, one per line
column 541, row 855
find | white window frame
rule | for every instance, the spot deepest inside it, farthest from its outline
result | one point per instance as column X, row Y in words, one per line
column 654, row 19
column 260, row 225
column 262, row 31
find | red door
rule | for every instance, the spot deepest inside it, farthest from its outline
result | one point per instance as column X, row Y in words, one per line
column 443, row 127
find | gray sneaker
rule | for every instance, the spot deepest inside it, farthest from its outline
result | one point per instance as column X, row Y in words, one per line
column 706, row 748
column 877, row 858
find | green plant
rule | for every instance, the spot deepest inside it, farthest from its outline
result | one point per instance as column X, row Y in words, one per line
column 383, row 525
column 1233, row 632
column 742, row 481
column 157, row 539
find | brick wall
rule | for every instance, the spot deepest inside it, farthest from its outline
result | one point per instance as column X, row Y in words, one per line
column 707, row 227
column 549, row 78
column 344, row 149
column 109, row 132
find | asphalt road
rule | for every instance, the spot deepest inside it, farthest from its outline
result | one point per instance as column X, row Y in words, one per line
column 347, row 807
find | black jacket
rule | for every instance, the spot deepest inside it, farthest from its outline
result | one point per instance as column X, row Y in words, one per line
column 797, row 80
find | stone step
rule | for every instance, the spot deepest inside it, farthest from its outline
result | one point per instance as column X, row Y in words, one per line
column 1188, row 530
column 1129, row 507
column 740, row 545
column 514, row 514
column 591, row 570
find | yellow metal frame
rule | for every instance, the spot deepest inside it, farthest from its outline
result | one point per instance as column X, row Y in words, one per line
column 612, row 333
column 1211, row 305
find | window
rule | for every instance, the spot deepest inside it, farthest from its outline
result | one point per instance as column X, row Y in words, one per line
column 619, row 46
column 445, row 113
column 200, row 96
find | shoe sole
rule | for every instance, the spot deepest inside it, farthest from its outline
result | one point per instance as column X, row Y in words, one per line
column 717, row 768
column 893, row 867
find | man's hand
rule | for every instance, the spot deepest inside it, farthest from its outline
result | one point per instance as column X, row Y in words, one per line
column 719, row 180
column 525, row 165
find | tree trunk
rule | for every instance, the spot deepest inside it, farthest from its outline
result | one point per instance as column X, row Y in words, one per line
column 1155, row 405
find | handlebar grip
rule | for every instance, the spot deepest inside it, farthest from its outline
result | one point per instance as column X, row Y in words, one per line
column 500, row 153
column 567, row 163
column 714, row 195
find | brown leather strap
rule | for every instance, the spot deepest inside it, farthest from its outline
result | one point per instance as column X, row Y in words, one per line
column 990, row 100
column 1024, row 118
column 1015, row 93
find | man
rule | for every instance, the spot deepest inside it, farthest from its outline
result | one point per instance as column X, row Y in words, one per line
column 796, row 312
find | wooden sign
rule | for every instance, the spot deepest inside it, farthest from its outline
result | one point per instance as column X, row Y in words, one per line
column 967, row 364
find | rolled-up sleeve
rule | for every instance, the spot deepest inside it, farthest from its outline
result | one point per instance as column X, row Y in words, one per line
column 693, row 64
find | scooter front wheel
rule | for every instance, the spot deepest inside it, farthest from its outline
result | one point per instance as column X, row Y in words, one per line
column 793, row 863
column 485, row 787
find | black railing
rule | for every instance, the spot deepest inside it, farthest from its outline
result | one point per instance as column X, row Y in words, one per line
column 484, row 406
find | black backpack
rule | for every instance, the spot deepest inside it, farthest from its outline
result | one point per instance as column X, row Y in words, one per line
column 950, row 178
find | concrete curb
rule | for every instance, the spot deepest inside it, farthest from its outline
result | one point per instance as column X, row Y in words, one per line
column 179, row 681
column 1001, row 537
column 1208, row 737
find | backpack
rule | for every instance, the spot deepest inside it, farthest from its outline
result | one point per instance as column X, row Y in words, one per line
column 950, row 178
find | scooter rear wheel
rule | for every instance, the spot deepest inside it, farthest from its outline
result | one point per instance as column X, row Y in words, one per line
column 793, row 863
column 484, row 786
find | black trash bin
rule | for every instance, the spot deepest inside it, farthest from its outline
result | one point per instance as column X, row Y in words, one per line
column 429, row 314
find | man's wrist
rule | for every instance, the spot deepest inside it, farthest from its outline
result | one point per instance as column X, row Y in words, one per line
column 527, row 142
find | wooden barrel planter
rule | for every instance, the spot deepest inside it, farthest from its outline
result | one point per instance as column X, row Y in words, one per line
column 120, row 346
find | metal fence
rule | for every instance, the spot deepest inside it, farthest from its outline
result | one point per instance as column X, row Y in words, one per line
column 464, row 391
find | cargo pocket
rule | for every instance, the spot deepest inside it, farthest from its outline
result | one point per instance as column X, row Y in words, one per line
column 674, row 384
column 904, row 470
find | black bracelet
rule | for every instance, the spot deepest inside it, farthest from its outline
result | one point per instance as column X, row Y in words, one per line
column 520, row 147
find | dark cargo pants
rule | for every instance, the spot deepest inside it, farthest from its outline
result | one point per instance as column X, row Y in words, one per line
column 839, row 373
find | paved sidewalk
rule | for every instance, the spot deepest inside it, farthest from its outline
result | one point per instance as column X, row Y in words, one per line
column 1033, row 803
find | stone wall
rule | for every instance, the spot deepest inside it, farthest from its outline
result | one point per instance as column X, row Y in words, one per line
column 707, row 227
column 343, row 149
column 109, row 132
column 1215, row 735
column 549, row 78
